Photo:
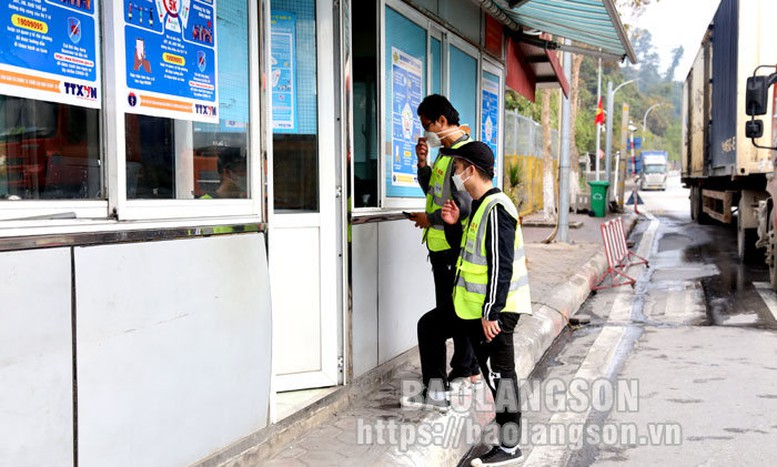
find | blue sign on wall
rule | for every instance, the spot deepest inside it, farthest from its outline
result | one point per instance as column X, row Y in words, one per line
column 284, row 72
column 50, row 46
column 170, row 50
column 406, row 72
column 489, row 128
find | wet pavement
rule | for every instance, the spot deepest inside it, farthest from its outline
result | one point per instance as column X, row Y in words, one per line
column 679, row 370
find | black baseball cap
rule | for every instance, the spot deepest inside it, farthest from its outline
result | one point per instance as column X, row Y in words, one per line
column 476, row 153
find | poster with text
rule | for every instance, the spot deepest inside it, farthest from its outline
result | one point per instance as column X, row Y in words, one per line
column 171, row 59
column 284, row 72
column 489, row 129
column 49, row 51
column 406, row 76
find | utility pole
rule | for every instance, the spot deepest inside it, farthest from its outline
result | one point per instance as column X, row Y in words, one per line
column 563, row 166
column 624, row 155
column 608, row 124
column 598, row 125
column 644, row 120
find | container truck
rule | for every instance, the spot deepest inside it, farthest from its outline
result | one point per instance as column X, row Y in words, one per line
column 654, row 170
column 726, row 173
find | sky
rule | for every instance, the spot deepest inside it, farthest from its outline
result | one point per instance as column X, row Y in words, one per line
column 673, row 23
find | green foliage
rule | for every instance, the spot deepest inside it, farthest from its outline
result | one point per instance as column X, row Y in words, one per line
column 533, row 110
column 514, row 175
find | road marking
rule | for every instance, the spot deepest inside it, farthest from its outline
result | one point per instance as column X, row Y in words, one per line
column 595, row 366
column 646, row 245
column 621, row 307
column 768, row 295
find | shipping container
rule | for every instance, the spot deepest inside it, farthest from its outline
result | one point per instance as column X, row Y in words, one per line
column 726, row 173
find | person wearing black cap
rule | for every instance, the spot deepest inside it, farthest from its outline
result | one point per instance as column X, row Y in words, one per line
column 491, row 289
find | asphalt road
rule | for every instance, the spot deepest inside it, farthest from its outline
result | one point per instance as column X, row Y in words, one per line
column 679, row 370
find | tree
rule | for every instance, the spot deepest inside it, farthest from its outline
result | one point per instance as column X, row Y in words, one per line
column 677, row 55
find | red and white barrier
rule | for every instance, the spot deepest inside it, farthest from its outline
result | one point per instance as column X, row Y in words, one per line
column 619, row 258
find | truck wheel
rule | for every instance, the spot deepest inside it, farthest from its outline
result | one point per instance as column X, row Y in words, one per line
column 746, row 239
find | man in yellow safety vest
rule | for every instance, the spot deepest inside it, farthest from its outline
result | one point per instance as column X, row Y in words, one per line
column 440, row 121
column 491, row 288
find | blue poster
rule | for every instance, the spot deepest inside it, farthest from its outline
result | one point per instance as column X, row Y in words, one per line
column 50, row 46
column 284, row 72
column 170, row 51
column 406, row 75
column 489, row 129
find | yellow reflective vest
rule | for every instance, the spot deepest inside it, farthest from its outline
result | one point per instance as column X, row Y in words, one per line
column 469, row 292
column 439, row 192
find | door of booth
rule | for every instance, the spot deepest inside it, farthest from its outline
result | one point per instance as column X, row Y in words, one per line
column 303, row 244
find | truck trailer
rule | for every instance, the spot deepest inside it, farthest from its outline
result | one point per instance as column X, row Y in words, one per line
column 726, row 173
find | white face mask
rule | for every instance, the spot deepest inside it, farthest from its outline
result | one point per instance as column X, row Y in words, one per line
column 458, row 182
column 434, row 140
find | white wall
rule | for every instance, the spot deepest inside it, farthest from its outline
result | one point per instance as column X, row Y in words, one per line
column 364, row 283
column 405, row 287
column 36, row 358
column 392, row 287
column 174, row 342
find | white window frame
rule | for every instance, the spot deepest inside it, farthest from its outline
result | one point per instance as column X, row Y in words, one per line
column 423, row 22
column 438, row 33
column 126, row 209
column 447, row 39
column 473, row 52
column 492, row 67
column 33, row 214
column 26, row 211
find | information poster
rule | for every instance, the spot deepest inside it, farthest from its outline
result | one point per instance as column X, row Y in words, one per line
column 284, row 72
column 406, row 76
column 171, row 58
column 48, row 51
column 489, row 129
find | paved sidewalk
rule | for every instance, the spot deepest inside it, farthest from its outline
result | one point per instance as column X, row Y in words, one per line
column 372, row 428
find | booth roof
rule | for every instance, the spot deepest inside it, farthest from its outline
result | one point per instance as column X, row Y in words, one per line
column 592, row 23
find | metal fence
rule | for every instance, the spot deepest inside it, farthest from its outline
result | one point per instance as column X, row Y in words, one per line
column 523, row 137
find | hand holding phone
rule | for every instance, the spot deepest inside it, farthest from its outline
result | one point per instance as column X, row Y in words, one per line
column 409, row 215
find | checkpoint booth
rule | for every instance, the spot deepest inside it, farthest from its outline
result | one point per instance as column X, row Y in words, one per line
column 200, row 204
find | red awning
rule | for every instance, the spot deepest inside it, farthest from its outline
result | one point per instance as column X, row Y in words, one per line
column 530, row 67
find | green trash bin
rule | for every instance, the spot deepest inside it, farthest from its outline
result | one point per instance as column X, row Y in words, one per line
column 599, row 197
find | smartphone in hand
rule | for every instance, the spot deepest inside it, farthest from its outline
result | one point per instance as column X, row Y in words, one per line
column 409, row 215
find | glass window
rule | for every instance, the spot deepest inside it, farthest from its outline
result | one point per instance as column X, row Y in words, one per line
column 48, row 150
column 464, row 88
column 365, row 104
column 405, row 87
column 436, row 51
column 294, row 104
column 181, row 159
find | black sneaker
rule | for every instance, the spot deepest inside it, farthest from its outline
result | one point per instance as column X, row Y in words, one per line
column 497, row 456
column 423, row 401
